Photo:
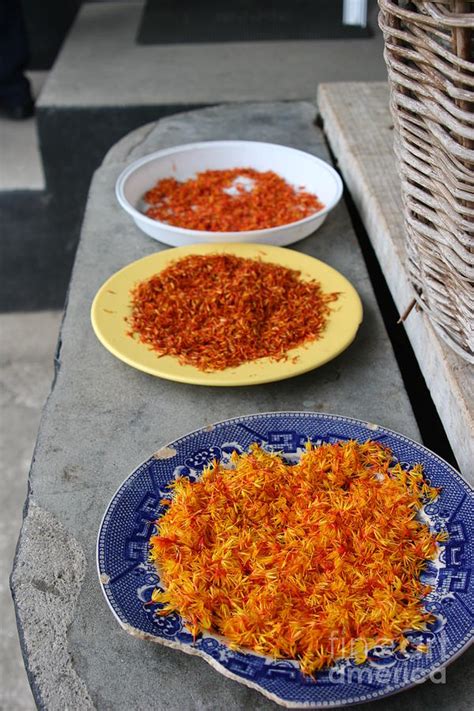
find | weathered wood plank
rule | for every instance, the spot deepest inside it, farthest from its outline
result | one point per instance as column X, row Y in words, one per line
column 358, row 125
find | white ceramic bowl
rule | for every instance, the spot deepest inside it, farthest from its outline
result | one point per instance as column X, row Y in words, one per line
column 183, row 162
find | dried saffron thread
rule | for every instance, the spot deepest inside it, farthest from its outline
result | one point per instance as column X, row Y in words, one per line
column 234, row 200
column 315, row 562
column 218, row 311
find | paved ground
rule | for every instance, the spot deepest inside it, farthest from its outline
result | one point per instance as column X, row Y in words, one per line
column 20, row 161
column 101, row 65
column 27, row 344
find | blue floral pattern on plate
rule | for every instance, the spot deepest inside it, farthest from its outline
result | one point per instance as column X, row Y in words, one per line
column 128, row 579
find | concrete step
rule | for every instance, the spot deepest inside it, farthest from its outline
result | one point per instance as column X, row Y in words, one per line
column 101, row 65
column 20, row 159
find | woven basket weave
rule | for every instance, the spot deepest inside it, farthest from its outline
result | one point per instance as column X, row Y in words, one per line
column 429, row 53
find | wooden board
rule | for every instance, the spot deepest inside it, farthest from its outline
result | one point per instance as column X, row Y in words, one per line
column 359, row 128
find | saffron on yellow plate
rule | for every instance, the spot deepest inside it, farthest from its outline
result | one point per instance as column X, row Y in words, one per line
column 112, row 306
column 315, row 561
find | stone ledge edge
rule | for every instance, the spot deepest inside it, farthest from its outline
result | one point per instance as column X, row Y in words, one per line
column 45, row 597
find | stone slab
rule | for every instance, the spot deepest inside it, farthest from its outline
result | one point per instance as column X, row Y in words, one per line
column 100, row 64
column 358, row 125
column 103, row 418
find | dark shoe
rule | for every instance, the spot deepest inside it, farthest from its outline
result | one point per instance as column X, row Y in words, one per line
column 18, row 112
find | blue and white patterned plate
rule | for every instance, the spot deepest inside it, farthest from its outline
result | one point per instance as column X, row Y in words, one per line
column 128, row 579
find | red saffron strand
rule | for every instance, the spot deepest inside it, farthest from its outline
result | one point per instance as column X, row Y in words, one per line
column 305, row 561
column 234, row 200
column 218, row 311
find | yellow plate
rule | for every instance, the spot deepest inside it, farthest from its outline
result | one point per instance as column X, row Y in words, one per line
column 112, row 304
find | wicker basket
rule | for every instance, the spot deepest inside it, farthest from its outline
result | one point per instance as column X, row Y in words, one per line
column 430, row 60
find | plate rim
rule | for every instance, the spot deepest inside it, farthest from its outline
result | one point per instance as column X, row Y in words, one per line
column 197, row 377
column 467, row 641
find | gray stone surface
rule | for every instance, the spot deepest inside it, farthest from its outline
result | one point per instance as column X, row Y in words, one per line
column 101, row 65
column 103, row 418
column 46, row 594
